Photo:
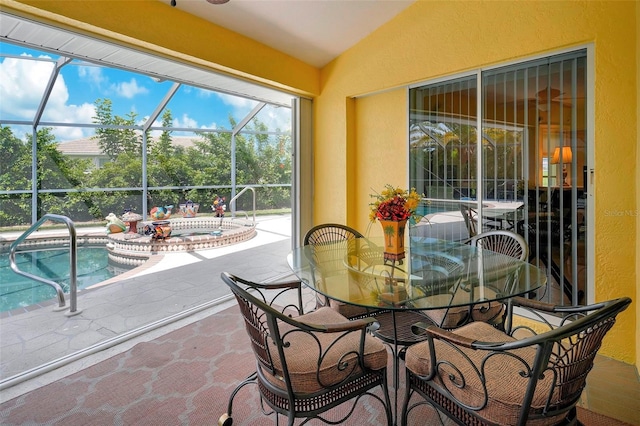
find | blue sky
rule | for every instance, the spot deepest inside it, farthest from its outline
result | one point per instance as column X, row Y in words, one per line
column 22, row 83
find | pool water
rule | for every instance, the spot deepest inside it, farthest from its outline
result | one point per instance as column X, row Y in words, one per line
column 436, row 207
column 17, row 291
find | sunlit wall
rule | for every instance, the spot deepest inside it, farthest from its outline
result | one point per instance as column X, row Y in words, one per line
column 361, row 114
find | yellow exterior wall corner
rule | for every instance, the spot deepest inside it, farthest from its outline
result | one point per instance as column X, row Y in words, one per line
column 433, row 39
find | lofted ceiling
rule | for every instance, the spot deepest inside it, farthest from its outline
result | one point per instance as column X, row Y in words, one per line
column 314, row 31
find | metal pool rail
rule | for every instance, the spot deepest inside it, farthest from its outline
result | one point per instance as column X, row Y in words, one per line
column 73, row 286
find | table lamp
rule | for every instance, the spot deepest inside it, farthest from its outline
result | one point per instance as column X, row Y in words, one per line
column 563, row 152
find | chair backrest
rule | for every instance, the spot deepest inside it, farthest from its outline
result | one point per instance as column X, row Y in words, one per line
column 328, row 241
column 438, row 271
column 260, row 315
column 470, row 217
column 330, row 233
column 565, row 352
column 501, row 241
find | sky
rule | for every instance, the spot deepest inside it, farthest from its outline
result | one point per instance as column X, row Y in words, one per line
column 23, row 82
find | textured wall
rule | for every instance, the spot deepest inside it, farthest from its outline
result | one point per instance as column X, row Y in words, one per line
column 361, row 144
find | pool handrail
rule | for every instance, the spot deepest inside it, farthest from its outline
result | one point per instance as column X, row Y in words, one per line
column 233, row 200
column 73, row 285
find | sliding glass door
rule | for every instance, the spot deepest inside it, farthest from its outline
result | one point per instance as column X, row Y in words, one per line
column 506, row 148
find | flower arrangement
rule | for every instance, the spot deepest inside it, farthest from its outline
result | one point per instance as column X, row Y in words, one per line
column 395, row 204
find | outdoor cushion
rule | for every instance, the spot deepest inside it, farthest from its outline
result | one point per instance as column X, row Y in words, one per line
column 504, row 375
column 303, row 353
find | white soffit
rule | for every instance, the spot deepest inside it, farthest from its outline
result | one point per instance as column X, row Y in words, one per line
column 36, row 35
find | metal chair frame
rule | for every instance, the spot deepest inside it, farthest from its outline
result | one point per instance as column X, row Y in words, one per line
column 563, row 357
column 272, row 330
column 327, row 235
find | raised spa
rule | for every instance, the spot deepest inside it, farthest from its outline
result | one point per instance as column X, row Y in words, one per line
column 187, row 234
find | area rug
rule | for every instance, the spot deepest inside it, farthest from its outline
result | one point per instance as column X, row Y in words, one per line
column 182, row 378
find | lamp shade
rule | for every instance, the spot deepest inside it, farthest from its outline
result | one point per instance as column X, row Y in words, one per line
column 566, row 155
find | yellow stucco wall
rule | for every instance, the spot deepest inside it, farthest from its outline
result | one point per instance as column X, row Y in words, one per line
column 637, row 175
column 361, row 144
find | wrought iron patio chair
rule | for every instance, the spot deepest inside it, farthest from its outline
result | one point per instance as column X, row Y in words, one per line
column 442, row 274
column 504, row 242
column 499, row 241
column 480, row 375
column 330, row 242
column 310, row 363
column 470, row 217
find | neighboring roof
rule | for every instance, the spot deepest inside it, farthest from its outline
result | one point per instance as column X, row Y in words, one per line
column 85, row 146
column 90, row 147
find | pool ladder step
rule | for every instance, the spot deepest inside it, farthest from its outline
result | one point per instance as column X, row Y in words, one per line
column 73, row 271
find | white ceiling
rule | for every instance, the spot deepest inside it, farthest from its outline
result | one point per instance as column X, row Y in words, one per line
column 314, row 31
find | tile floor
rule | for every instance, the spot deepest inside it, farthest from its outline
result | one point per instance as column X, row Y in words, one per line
column 613, row 389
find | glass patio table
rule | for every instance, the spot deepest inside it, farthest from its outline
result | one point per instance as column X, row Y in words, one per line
column 435, row 274
column 436, row 279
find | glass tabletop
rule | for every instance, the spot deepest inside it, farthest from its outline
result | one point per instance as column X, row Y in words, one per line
column 435, row 274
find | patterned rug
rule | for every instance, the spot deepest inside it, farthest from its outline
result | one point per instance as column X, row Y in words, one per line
column 182, row 378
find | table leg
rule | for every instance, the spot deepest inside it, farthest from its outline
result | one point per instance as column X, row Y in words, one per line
column 395, row 332
column 396, row 369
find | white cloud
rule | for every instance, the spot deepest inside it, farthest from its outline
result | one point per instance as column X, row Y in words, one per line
column 276, row 118
column 93, row 75
column 185, row 121
column 22, row 85
column 129, row 89
column 237, row 102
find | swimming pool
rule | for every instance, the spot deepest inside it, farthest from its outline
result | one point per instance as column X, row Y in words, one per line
column 437, row 206
column 17, row 291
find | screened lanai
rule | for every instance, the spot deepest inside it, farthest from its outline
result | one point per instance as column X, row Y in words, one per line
column 88, row 129
column 72, row 101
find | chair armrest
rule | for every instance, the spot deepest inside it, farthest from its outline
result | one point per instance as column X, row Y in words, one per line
column 352, row 325
column 349, row 325
column 434, row 331
column 534, row 304
column 278, row 285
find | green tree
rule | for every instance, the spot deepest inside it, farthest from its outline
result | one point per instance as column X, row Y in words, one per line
column 114, row 141
column 53, row 171
column 166, row 166
column 15, row 174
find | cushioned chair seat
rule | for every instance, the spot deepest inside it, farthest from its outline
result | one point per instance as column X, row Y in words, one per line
column 310, row 363
column 480, row 375
column 302, row 353
column 504, row 389
column 458, row 315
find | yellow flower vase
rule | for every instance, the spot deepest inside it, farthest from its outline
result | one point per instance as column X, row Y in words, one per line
column 393, row 239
